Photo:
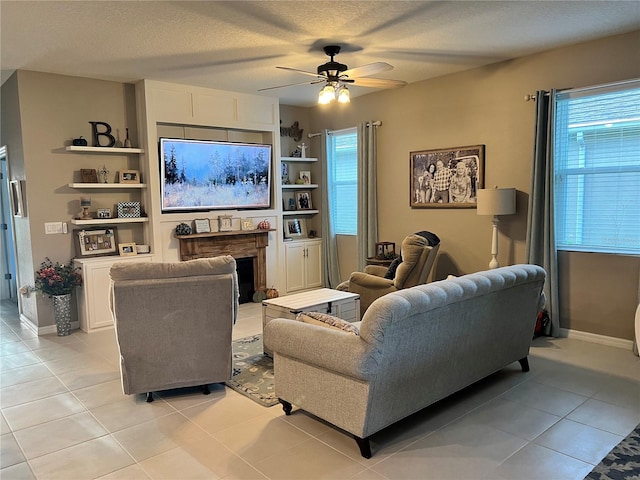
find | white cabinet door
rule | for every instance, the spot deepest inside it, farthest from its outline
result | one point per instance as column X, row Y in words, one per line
column 303, row 265
column 93, row 297
column 294, row 261
column 313, row 265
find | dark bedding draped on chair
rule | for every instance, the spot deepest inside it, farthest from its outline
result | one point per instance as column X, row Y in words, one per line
column 541, row 244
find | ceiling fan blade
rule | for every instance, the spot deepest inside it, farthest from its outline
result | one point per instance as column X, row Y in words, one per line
column 378, row 83
column 366, row 70
column 312, row 82
column 304, row 72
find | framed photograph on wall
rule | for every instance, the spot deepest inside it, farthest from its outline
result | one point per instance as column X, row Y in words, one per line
column 446, row 177
column 295, row 228
column 303, row 200
column 95, row 242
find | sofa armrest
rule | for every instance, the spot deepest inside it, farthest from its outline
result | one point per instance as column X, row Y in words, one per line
column 370, row 281
column 377, row 270
column 334, row 350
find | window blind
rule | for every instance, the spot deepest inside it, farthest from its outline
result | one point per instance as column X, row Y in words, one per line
column 343, row 185
column 597, row 169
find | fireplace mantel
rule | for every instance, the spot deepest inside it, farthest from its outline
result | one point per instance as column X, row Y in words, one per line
column 238, row 244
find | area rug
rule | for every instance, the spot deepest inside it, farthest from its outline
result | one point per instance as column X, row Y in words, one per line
column 623, row 462
column 253, row 371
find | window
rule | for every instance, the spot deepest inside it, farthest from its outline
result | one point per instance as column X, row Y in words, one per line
column 597, row 169
column 343, row 180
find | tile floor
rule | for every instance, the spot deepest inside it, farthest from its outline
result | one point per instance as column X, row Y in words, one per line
column 64, row 417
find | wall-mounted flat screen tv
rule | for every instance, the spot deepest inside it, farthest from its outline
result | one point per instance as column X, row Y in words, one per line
column 202, row 175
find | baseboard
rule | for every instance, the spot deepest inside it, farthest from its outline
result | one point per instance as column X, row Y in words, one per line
column 595, row 338
column 24, row 321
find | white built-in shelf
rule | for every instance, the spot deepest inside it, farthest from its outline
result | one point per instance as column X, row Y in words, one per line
column 108, row 185
column 108, row 221
column 294, row 186
column 298, row 159
column 300, row 212
column 112, row 150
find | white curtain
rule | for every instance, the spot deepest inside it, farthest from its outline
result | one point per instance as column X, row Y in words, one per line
column 541, row 242
column 331, row 269
column 367, row 189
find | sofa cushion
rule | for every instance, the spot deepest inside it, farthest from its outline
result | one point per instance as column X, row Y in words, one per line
column 329, row 321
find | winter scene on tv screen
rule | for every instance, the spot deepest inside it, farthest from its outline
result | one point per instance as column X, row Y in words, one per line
column 206, row 175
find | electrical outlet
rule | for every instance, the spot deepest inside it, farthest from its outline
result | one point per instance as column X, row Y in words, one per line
column 52, row 228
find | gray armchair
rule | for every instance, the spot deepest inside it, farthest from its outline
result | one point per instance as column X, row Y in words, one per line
column 174, row 322
column 417, row 259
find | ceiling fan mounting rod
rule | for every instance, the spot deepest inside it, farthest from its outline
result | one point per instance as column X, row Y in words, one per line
column 332, row 69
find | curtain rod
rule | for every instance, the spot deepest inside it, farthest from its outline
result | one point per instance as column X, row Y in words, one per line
column 375, row 123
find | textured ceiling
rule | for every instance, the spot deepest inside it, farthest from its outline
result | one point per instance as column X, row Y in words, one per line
column 236, row 45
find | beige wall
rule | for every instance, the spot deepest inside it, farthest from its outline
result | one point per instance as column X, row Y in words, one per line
column 53, row 109
column 486, row 106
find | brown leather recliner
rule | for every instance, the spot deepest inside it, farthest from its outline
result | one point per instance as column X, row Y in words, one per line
column 417, row 260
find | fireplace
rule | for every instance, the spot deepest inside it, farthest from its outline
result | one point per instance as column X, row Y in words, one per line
column 245, row 246
column 244, row 267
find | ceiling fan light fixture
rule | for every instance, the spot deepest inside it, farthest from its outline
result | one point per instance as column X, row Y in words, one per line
column 327, row 94
column 343, row 95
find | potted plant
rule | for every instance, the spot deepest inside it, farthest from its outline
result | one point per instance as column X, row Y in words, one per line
column 57, row 281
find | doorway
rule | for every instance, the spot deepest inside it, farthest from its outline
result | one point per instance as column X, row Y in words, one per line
column 8, row 271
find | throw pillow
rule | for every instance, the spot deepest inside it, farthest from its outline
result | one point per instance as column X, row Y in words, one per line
column 329, row 321
column 391, row 272
column 432, row 238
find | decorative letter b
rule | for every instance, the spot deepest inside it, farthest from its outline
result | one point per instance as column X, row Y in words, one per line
column 106, row 133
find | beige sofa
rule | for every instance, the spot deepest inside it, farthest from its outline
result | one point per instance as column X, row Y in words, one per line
column 414, row 347
column 174, row 322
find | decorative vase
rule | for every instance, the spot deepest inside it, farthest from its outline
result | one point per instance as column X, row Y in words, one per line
column 62, row 313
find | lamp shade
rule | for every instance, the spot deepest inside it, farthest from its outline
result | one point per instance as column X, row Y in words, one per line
column 496, row 201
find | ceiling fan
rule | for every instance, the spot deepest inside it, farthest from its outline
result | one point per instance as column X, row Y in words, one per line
column 336, row 76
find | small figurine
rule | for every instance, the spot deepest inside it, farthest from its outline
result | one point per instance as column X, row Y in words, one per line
column 103, row 173
column 303, row 150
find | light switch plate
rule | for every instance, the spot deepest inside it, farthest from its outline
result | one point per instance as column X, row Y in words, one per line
column 52, row 228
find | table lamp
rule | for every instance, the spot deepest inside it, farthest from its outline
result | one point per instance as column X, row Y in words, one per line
column 496, row 201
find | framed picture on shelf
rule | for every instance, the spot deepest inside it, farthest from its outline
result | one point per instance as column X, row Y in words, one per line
column 446, row 178
column 104, row 213
column 128, row 209
column 285, row 173
column 127, row 249
column 202, row 225
column 247, row 224
column 305, row 176
column 295, row 228
column 128, row 176
column 89, row 175
column 225, row 223
column 303, row 200
column 95, row 242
